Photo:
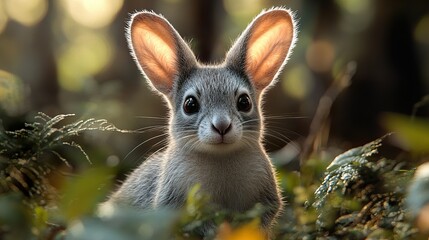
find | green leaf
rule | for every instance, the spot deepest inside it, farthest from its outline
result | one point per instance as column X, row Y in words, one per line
column 82, row 194
column 40, row 217
column 26, row 151
column 413, row 134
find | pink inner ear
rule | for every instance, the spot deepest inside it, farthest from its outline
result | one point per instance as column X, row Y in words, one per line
column 268, row 46
column 155, row 50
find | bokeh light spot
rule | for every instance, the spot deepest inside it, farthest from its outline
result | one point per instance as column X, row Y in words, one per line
column 12, row 95
column 243, row 9
column 320, row 55
column 355, row 6
column 3, row 18
column 83, row 57
column 357, row 14
column 146, row 230
column 297, row 82
column 93, row 13
column 421, row 32
column 26, row 12
column 112, row 161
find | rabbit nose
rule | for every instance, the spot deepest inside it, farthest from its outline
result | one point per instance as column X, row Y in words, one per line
column 221, row 125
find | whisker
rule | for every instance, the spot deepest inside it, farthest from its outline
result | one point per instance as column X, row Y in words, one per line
column 140, row 144
column 285, row 130
column 184, row 137
column 187, row 130
column 250, row 120
column 284, row 117
column 152, row 117
column 157, row 151
column 248, row 141
column 151, row 128
column 193, row 142
column 282, row 138
column 161, row 142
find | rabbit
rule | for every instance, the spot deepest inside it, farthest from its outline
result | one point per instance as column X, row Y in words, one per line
column 215, row 124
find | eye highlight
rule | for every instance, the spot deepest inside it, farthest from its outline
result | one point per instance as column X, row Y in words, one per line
column 191, row 105
column 243, row 103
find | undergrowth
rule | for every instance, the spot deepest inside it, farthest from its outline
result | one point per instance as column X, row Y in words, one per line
column 359, row 195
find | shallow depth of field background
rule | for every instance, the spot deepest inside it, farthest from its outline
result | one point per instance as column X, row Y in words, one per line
column 71, row 56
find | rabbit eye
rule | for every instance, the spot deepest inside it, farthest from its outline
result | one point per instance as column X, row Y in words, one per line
column 191, row 106
column 244, row 104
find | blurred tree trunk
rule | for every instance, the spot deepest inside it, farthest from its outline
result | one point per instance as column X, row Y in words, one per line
column 27, row 52
column 42, row 70
column 207, row 19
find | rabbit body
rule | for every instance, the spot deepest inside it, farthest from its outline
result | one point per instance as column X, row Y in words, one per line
column 216, row 123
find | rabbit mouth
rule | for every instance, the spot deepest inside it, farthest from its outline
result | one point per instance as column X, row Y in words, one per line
column 219, row 139
column 219, row 148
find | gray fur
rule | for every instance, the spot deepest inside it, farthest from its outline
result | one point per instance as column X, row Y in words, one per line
column 236, row 173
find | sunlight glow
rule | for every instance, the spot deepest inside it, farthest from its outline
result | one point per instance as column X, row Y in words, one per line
column 297, row 82
column 12, row 95
column 354, row 6
column 357, row 14
column 421, row 32
column 77, row 228
column 82, row 58
column 26, row 12
column 240, row 9
column 106, row 210
column 112, row 161
column 320, row 55
column 93, row 13
column 3, row 18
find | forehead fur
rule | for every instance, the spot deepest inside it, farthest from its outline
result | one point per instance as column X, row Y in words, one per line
column 211, row 81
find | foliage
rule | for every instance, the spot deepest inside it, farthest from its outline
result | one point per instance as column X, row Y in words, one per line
column 27, row 157
column 29, row 210
column 359, row 195
column 364, row 195
column 23, row 153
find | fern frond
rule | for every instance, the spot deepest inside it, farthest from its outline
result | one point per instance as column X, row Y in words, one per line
column 23, row 152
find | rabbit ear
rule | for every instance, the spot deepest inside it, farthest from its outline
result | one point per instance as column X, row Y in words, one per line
column 264, row 47
column 159, row 51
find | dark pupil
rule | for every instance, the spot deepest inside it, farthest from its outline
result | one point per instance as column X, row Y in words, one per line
column 243, row 103
column 191, row 105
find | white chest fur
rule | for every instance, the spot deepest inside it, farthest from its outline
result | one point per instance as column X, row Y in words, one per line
column 233, row 181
